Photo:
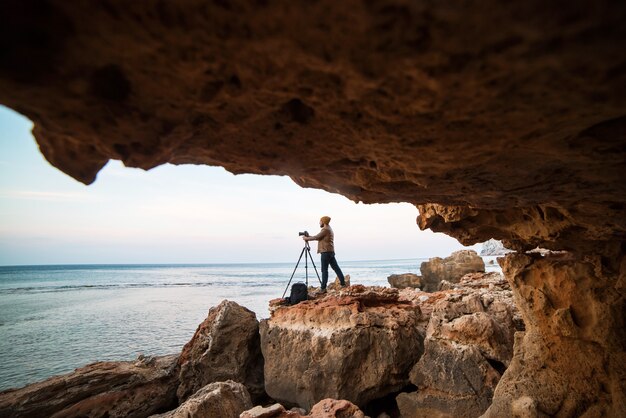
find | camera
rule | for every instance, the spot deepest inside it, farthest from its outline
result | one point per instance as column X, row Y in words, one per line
column 304, row 233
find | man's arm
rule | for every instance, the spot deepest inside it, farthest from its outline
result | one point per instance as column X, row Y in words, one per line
column 317, row 237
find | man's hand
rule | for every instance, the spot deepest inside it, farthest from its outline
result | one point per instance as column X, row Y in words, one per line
column 305, row 238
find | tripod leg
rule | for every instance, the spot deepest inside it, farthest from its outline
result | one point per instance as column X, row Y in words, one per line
column 294, row 272
column 314, row 267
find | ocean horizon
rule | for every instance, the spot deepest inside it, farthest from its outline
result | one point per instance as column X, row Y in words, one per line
column 56, row 318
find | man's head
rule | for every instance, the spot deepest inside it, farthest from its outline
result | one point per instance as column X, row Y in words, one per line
column 324, row 220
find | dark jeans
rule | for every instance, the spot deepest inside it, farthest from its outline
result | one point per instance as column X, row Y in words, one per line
column 329, row 259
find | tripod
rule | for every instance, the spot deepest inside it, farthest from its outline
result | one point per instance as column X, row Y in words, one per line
column 307, row 250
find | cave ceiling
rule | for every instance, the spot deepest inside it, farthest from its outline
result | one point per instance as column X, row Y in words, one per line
column 496, row 119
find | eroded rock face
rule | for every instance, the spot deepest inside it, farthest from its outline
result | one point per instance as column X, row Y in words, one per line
column 497, row 120
column 468, row 345
column 501, row 120
column 401, row 281
column 450, row 269
column 226, row 346
column 359, row 345
column 570, row 360
column 105, row 389
column 219, row 399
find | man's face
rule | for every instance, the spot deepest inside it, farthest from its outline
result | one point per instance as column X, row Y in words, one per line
column 321, row 224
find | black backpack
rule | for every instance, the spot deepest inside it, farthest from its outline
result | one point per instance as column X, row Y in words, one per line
column 298, row 293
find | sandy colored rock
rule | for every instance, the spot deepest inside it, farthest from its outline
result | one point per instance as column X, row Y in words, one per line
column 226, row 346
column 336, row 285
column 219, row 399
column 272, row 411
column 358, row 345
column 104, row 389
column 570, row 360
column 333, row 408
column 326, row 408
column 401, row 281
column 468, row 345
column 499, row 120
column 450, row 269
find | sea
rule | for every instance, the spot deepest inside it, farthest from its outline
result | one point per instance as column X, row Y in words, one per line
column 54, row 319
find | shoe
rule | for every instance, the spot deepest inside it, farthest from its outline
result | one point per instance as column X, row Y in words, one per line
column 322, row 291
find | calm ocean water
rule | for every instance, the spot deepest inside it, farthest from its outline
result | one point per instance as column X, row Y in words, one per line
column 54, row 319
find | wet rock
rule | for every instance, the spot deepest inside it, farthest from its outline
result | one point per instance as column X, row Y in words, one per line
column 401, row 281
column 226, row 346
column 219, row 399
column 111, row 389
column 357, row 345
column 451, row 268
column 468, row 345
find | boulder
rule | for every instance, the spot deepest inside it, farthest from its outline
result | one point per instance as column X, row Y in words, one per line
column 111, row 389
column 219, row 399
column 226, row 346
column 357, row 345
column 332, row 408
column 326, row 408
column 468, row 345
column 451, row 268
column 401, row 281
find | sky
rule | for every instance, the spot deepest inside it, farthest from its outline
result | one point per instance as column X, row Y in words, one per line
column 182, row 214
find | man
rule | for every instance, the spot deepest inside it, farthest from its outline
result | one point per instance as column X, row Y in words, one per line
column 326, row 248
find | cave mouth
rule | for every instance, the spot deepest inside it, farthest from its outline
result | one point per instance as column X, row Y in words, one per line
column 503, row 120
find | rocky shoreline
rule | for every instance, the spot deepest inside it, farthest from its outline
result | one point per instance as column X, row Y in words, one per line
column 356, row 351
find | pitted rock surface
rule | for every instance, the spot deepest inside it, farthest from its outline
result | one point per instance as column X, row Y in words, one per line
column 468, row 345
column 570, row 360
column 498, row 120
column 358, row 344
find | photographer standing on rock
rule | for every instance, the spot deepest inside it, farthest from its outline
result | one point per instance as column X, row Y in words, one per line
column 326, row 248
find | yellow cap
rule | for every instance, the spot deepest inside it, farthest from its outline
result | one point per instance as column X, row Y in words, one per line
column 325, row 220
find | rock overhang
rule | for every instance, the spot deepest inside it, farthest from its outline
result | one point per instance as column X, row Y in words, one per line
column 496, row 120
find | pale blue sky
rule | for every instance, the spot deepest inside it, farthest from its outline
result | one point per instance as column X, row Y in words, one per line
column 181, row 214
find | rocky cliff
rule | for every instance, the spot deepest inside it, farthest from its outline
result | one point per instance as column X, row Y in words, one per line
column 500, row 120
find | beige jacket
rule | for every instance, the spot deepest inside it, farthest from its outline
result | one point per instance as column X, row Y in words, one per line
column 325, row 240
